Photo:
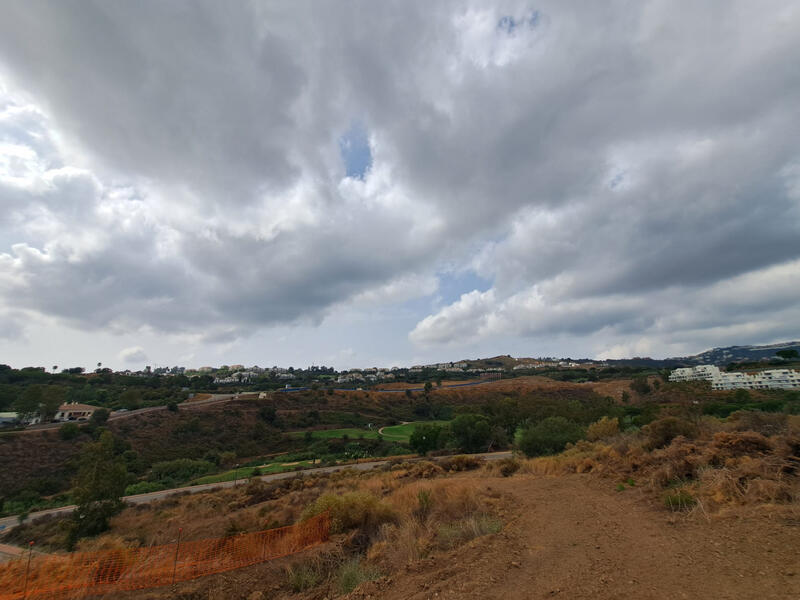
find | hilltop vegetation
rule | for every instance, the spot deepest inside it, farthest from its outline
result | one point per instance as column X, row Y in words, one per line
column 165, row 448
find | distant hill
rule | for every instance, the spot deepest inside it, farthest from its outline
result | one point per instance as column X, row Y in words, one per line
column 729, row 354
column 715, row 356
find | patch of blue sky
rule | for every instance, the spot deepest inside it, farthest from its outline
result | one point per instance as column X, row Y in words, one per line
column 355, row 151
column 509, row 24
column 453, row 285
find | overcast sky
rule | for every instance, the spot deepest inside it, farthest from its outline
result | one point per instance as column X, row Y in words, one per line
column 385, row 183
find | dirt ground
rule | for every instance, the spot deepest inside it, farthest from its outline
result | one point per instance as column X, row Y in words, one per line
column 571, row 537
column 575, row 537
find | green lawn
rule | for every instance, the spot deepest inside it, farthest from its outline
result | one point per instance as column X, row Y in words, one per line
column 402, row 433
column 392, row 433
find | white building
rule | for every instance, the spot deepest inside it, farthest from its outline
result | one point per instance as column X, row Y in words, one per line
column 701, row 372
column 74, row 412
column 772, row 379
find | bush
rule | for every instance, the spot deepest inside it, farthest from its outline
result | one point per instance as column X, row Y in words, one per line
column 508, row 466
column 760, row 422
column 350, row 511
column 172, row 406
column 678, row 500
column 604, row 428
column 426, row 438
column 472, row 433
column 99, row 417
column 460, row 463
column 180, row 469
column 143, row 487
column 353, row 573
column 640, row 385
column 69, row 431
column 303, row 577
column 454, row 534
column 661, row 432
column 550, row 436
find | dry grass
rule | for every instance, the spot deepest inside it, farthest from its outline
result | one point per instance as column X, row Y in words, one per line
column 725, row 470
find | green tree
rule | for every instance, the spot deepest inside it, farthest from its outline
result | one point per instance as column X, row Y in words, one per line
column 69, row 431
column 426, row 438
column 549, row 436
column 28, row 403
column 99, row 417
column 788, row 354
column 98, row 488
column 53, row 396
column 472, row 432
column 640, row 385
column 130, row 399
column 428, row 387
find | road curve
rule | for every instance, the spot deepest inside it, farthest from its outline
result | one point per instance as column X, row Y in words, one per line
column 8, row 523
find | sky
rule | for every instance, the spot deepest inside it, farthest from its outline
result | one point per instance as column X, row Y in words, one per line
column 391, row 183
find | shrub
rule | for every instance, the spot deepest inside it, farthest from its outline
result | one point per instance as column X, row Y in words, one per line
column 172, row 406
column 426, row 438
column 640, row 385
column 760, row 422
column 472, row 433
column 303, row 577
column 99, row 417
column 425, row 502
column 508, row 466
column 677, row 500
column 143, row 487
column 353, row 573
column 69, row 431
column 549, row 436
column 661, row 432
column 604, row 428
column 454, row 534
column 180, row 469
column 460, row 463
column 350, row 511
column 740, row 443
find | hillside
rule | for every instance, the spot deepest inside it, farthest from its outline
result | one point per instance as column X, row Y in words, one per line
column 597, row 522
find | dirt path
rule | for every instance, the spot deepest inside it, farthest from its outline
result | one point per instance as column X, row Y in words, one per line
column 575, row 537
column 380, row 431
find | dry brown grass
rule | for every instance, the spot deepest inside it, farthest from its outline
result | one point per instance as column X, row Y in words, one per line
column 726, row 470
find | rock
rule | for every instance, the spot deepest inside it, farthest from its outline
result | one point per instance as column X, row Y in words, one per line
column 256, row 596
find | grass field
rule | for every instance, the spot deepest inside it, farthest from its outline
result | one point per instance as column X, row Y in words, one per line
column 392, row 433
column 402, row 433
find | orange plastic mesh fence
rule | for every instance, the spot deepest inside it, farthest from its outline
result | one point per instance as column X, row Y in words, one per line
column 92, row 573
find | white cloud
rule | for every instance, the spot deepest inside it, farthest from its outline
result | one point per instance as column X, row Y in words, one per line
column 133, row 355
column 635, row 181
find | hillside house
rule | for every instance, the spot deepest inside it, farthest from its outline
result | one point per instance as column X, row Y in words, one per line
column 8, row 419
column 74, row 412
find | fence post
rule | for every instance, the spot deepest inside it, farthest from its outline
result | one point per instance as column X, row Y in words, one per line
column 177, row 548
column 27, row 568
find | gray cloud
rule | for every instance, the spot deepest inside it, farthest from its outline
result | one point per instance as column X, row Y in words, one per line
column 175, row 166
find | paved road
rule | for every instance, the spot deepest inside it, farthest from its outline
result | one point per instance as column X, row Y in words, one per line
column 8, row 523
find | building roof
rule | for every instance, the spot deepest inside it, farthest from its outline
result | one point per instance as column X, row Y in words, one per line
column 76, row 406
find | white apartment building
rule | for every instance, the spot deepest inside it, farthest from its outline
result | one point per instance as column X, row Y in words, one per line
column 701, row 372
column 772, row 379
